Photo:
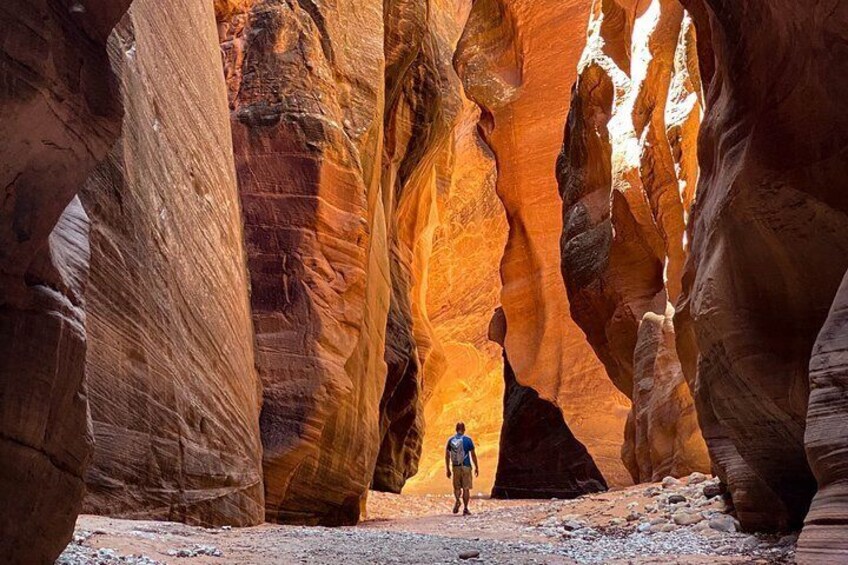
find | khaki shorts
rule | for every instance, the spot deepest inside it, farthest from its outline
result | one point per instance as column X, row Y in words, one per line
column 461, row 477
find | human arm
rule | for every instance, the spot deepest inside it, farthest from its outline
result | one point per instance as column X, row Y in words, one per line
column 476, row 464
column 447, row 461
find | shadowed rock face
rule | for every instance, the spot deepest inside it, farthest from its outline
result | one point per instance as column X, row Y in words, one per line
column 173, row 391
column 306, row 97
column 516, row 58
column 825, row 535
column 627, row 174
column 768, row 252
column 59, row 114
column 539, row 456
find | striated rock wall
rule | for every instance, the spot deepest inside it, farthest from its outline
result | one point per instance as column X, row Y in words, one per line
column 768, row 237
column 173, row 391
column 516, row 58
column 307, row 100
column 627, row 175
column 59, row 114
column 825, row 536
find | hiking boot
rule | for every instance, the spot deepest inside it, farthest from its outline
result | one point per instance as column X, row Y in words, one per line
column 466, row 512
column 456, row 507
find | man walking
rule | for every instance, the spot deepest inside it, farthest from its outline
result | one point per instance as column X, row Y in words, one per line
column 458, row 456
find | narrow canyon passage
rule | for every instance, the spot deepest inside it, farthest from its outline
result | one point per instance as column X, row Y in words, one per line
column 258, row 257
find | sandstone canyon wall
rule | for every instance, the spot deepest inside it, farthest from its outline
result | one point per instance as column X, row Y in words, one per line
column 539, row 456
column 825, row 536
column 173, row 391
column 463, row 290
column 768, row 253
column 422, row 107
column 450, row 229
column 627, row 174
column 306, row 99
column 59, row 114
column 517, row 58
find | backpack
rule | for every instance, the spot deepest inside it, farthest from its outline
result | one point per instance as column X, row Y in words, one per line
column 457, row 451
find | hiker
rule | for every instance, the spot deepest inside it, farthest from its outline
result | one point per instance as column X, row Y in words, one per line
column 458, row 456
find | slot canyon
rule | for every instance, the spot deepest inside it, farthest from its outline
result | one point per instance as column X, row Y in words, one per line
column 259, row 257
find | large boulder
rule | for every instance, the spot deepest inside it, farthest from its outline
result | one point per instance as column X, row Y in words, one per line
column 173, row 391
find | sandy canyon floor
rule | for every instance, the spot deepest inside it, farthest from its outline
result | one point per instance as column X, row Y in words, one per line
column 670, row 522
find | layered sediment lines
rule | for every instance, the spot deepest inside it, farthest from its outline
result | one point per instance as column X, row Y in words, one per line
column 422, row 107
column 173, row 391
column 516, row 58
column 59, row 114
column 306, row 98
column 768, row 253
column 627, row 174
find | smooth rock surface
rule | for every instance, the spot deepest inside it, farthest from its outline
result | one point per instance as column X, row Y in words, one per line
column 173, row 391
column 769, row 243
column 59, row 115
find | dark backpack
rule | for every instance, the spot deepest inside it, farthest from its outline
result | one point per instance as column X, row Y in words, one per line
column 457, row 451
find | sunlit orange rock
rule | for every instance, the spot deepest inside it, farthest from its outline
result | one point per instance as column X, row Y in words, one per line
column 422, row 106
column 306, row 98
column 769, row 239
column 627, row 174
column 517, row 59
column 448, row 233
column 59, row 115
column 173, row 391
column 462, row 292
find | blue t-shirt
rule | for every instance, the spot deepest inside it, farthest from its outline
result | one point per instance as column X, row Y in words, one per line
column 467, row 445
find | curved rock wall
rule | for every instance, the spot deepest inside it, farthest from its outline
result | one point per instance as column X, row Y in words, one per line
column 516, row 58
column 59, row 114
column 450, row 229
column 174, row 395
column 627, row 175
column 306, row 97
column 422, row 107
column 825, row 536
column 768, row 237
